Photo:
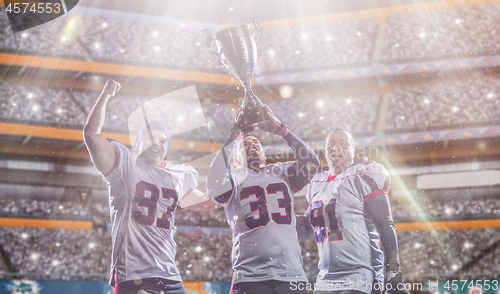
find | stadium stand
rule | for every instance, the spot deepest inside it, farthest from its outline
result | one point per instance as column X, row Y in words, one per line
column 201, row 255
column 317, row 46
column 437, row 210
column 56, row 253
column 444, row 102
column 33, row 208
column 306, row 114
column 39, row 104
column 448, row 209
column 435, row 253
column 118, row 40
column 456, row 32
column 435, row 104
column 452, row 33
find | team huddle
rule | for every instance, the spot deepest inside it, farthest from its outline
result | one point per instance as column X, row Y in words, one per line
column 348, row 215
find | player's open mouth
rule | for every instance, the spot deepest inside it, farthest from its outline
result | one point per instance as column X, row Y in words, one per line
column 154, row 151
column 336, row 156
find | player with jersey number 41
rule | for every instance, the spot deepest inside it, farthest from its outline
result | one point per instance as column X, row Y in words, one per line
column 144, row 192
column 349, row 215
column 258, row 201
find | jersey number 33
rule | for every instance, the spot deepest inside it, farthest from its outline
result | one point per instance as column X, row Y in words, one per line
column 261, row 204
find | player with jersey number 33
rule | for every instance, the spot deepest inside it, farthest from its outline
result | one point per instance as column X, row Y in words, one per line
column 258, row 201
column 144, row 191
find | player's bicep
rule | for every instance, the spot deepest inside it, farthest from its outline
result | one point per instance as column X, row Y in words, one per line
column 378, row 209
column 101, row 152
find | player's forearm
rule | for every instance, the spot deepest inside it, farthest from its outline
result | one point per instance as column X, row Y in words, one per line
column 217, row 180
column 95, row 120
column 305, row 154
column 307, row 161
column 100, row 150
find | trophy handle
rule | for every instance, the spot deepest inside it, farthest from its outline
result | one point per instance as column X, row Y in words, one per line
column 209, row 40
column 257, row 30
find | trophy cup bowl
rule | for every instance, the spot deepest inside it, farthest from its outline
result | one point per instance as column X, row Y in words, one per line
column 237, row 50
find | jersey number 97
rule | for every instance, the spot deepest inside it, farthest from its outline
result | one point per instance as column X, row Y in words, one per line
column 151, row 204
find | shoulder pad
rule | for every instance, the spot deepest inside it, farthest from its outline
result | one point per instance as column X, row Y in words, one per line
column 376, row 172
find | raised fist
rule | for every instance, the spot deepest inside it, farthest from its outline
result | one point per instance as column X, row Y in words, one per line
column 111, row 88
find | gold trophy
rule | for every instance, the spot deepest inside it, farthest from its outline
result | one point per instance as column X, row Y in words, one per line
column 237, row 50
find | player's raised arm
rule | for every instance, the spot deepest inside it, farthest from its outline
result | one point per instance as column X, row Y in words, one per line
column 307, row 161
column 219, row 182
column 101, row 151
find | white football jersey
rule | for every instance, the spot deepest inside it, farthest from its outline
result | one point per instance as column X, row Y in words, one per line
column 260, row 212
column 142, row 200
column 349, row 253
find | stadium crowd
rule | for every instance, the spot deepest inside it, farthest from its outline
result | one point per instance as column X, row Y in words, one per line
column 442, row 34
column 444, row 102
column 317, row 46
column 70, row 254
column 123, row 38
column 446, row 210
column 33, row 208
column 305, row 116
column 435, row 104
column 488, row 208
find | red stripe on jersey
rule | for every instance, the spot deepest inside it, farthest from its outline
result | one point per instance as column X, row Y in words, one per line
column 374, row 193
column 335, row 178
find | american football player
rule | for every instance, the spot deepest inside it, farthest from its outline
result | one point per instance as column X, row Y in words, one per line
column 144, row 192
column 349, row 212
column 258, row 202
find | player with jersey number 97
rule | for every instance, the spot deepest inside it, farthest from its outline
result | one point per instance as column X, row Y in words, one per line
column 144, row 192
column 258, row 201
